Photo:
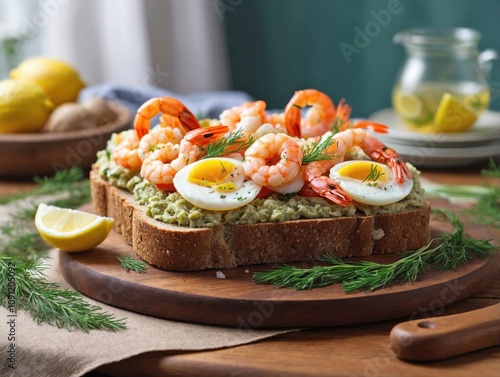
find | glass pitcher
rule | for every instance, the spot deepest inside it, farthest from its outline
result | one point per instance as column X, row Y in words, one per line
column 442, row 84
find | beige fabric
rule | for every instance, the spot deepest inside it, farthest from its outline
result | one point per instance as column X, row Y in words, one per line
column 44, row 350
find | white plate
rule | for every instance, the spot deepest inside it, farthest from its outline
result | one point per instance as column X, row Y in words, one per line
column 485, row 131
column 435, row 157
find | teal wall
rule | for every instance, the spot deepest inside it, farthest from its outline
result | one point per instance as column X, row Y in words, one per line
column 279, row 46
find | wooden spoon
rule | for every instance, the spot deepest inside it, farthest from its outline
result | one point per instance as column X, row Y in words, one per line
column 441, row 337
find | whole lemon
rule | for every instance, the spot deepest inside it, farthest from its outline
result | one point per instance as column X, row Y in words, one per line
column 24, row 106
column 59, row 80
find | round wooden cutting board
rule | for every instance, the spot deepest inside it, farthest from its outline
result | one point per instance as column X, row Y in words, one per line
column 234, row 300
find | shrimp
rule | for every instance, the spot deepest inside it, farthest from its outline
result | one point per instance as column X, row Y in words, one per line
column 161, row 165
column 273, row 160
column 268, row 128
column 247, row 116
column 276, row 119
column 166, row 105
column 318, row 119
column 159, row 135
column 342, row 142
column 125, row 153
column 166, row 159
column 157, row 167
column 321, row 117
column 321, row 184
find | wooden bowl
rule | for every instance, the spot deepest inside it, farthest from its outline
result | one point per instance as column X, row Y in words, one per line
column 44, row 153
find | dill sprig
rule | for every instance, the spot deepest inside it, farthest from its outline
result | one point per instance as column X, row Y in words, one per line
column 232, row 143
column 493, row 169
column 17, row 238
column 487, row 209
column 484, row 200
column 374, row 174
column 129, row 263
column 318, row 151
column 47, row 302
column 445, row 252
column 21, row 250
column 340, row 124
column 70, row 180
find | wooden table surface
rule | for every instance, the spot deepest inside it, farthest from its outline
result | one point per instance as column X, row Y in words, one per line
column 356, row 350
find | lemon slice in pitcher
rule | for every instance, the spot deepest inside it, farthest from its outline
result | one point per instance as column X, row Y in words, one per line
column 408, row 105
column 71, row 230
column 452, row 116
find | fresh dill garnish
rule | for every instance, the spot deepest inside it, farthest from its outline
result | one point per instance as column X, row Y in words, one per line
column 487, row 209
column 445, row 252
column 493, row 169
column 129, row 263
column 340, row 124
column 64, row 180
column 17, row 238
column 318, row 151
column 485, row 198
column 21, row 249
column 234, row 142
column 223, row 168
column 47, row 302
column 374, row 174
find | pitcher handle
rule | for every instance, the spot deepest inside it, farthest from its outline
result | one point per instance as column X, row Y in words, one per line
column 485, row 59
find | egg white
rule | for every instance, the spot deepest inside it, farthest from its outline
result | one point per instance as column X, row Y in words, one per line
column 208, row 197
column 382, row 191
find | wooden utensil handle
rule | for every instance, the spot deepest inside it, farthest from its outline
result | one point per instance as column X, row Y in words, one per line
column 441, row 337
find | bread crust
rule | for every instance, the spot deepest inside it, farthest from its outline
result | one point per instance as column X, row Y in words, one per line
column 178, row 248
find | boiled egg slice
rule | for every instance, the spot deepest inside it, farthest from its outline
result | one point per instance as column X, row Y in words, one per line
column 370, row 182
column 217, row 184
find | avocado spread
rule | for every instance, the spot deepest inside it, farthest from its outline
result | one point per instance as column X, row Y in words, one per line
column 173, row 209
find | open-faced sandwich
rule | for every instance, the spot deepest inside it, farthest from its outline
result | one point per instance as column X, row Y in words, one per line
column 253, row 187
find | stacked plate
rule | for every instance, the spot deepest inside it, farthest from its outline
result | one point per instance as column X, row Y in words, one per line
column 439, row 150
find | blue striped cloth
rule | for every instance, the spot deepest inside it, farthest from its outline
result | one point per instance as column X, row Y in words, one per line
column 202, row 104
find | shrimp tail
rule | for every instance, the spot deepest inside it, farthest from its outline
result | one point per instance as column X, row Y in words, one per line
column 141, row 125
column 385, row 155
column 292, row 120
column 374, row 126
column 343, row 111
column 330, row 189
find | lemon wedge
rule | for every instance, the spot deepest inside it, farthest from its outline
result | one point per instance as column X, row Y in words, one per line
column 71, row 230
column 452, row 116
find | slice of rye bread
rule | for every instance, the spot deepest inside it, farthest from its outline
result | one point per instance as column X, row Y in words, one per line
column 178, row 248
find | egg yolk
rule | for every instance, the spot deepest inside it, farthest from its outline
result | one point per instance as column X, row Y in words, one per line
column 214, row 173
column 364, row 171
